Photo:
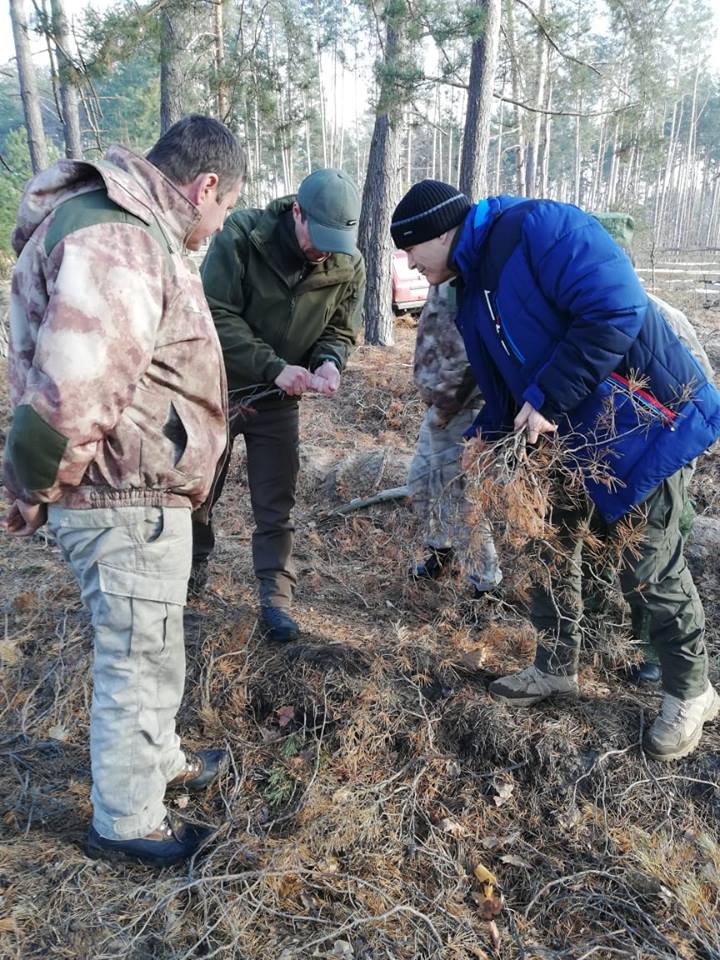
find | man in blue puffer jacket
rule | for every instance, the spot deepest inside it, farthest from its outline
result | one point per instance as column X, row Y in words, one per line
column 562, row 337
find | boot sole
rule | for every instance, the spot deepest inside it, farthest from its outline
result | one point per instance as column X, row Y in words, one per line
column 272, row 636
column 691, row 745
column 531, row 701
column 119, row 856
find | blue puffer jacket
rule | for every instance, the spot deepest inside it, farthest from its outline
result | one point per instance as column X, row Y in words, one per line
column 563, row 322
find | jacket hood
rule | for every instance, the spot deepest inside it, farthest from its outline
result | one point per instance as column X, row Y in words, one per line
column 131, row 181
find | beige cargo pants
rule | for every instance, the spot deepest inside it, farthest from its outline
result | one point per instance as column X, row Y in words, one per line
column 132, row 565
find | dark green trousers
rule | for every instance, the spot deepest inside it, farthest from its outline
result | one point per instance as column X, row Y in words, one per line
column 273, row 459
column 657, row 585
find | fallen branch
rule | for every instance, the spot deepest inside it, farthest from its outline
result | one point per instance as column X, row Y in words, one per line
column 359, row 503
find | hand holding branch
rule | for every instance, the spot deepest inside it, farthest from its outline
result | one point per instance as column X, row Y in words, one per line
column 534, row 421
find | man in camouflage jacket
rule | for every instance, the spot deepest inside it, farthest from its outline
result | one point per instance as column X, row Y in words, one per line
column 118, row 395
column 446, row 384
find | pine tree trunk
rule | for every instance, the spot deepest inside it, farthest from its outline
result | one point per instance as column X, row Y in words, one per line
column 534, row 145
column 68, row 90
column 28, row 88
column 174, row 37
column 476, row 137
column 374, row 239
column 516, row 84
column 379, row 196
column 546, row 141
column 219, row 43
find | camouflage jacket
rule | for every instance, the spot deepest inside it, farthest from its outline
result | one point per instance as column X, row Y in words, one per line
column 116, row 375
column 442, row 372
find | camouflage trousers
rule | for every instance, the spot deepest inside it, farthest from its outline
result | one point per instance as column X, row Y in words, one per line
column 437, row 489
column 132, row 565
column 656, row 584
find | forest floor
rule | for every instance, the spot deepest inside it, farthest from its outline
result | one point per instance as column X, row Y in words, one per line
column 373, row 780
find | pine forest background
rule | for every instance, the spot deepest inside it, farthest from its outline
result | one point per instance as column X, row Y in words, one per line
column 609, row 105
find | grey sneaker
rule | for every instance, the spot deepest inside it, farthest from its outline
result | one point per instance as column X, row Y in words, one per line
column 678, row 727
column 531, row 686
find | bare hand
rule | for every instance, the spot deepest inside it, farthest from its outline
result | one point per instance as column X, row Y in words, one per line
column 534, row 421
column 23, row 519
column 294, row 380
column 329, row 375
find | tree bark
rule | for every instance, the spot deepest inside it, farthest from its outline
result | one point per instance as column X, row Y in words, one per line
column 374, row 241
column 476, row 138
column 515, row 82
column 67, row 74
column 174, row 39
column 28, row 88
column 379, row 195
column 221, row 93
column 534, row 146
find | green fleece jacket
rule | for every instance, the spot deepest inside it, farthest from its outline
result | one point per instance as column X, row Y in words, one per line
column 268, row 311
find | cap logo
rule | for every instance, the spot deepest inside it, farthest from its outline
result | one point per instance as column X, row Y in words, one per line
column 351, row 223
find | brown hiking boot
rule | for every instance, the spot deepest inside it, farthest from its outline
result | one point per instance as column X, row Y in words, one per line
column 201, row 769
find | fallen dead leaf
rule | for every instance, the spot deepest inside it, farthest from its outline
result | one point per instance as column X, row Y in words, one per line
column 285, row 715
column 514, row 861
column 9, row 652
column 504, row 792
column 452, row 827
column 58, row 732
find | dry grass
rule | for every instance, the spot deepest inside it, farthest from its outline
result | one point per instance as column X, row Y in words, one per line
column 371, row 772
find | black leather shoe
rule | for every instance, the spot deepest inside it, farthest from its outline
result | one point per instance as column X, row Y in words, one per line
column 174, row 840
column 277, row 625
column 432, row 566
column 197, row 584
column 645, row 673
column 201, row 769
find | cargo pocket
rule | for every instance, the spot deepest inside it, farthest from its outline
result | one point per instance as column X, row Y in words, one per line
column 141, row 606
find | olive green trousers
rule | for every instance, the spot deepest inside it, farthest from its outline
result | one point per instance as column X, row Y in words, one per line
column 654, row 578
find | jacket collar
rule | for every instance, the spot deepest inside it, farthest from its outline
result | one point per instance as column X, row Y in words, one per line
column 131, row 181
column 338, row 267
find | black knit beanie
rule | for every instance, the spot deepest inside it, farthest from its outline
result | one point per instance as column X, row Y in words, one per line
column 428, row 209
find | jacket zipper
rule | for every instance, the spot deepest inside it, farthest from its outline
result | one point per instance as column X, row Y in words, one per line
column 495, row 317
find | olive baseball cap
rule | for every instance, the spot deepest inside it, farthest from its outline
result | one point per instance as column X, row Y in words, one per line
column 331, row 203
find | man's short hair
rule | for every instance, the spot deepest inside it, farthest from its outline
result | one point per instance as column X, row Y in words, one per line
column 199, row 144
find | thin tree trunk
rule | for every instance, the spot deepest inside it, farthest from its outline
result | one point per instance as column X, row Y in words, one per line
column 66, row 73
column 714, row 205
column 321, row 95
column 515, row 80
column 547, row 135
column 28, row 88
column 578, row 155
column 219, row 42
column 534, row 145
column 499, row 161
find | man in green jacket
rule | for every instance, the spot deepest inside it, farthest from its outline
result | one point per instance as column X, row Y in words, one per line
column 285, row 287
